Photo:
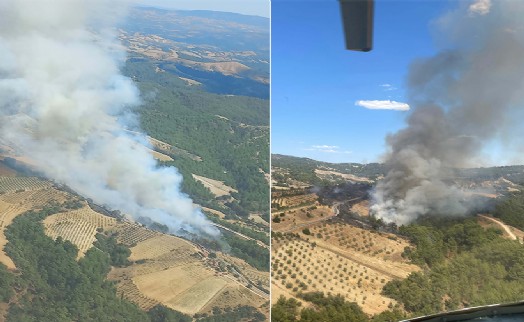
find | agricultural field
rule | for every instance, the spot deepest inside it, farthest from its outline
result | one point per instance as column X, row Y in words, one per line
column 338, row 258
column 296, row 208
column 78, row 226
column 182, row 275
column 289, row 201
column 19, row 184
column 18, row 195
column 332, row 175
column 164, row 269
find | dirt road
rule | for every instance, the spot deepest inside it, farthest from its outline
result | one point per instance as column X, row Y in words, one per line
column 502, row 225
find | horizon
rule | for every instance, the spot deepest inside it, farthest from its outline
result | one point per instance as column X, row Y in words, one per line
column 379, row 162
column 257, row 8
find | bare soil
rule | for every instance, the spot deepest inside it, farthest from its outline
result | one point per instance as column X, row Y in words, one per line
column 218, row 188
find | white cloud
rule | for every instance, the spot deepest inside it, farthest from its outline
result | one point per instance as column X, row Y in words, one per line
column 480, row 7
column 388, row 87
column 383, row 105
column 327, row 149
column 324, row 146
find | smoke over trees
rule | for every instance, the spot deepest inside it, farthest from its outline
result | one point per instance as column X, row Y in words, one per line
column 466, row 97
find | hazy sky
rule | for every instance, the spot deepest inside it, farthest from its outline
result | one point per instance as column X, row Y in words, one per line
column 336, row 105
column 248, row 7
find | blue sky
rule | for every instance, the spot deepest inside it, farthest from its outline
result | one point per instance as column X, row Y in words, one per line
column 316, row 82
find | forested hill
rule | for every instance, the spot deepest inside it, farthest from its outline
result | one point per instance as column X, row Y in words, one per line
column 224, row 53
column 303, row 169
column 197, row 98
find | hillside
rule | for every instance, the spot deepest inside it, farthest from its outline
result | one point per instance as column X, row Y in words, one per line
column 330, row 253
column 171, row 273
column 226, row 53
column 218, row 133
column 203, row 79
column 296, row 171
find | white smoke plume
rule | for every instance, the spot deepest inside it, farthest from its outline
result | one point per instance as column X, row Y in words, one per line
column 65, row 105
column 468, row 95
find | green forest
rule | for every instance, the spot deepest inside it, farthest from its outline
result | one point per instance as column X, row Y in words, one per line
column 229, row 133
column 511, row 210
column 326, row 308
column 463, row 265
column 303, row 169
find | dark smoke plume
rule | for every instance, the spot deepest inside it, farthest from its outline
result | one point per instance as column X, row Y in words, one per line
column 467, row 96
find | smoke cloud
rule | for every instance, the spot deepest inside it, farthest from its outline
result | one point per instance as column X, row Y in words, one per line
column 468, row 95
column 65, row 105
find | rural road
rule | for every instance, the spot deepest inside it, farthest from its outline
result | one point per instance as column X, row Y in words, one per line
column 502, row 225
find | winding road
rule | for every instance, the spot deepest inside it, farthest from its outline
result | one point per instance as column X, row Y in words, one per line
column 506, row 228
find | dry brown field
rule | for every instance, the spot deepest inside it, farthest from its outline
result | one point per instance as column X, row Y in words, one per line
column 190, row 81
column 217, row 213
column 160, row 156
column 330, row 175
column 218, row 188
column 179, row 274
column 258, row 219
column 361, row 208
column 165, row 269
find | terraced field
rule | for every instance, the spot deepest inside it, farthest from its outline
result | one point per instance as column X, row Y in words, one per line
column 130, row 234
column 337, row 258
column 178, row 274
column 345, row 237
column 295, row 201
column 78, row 226
column 128, row 289
column 7, row 213
column 18, row 195
column 165, row 269
column 12, row 184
